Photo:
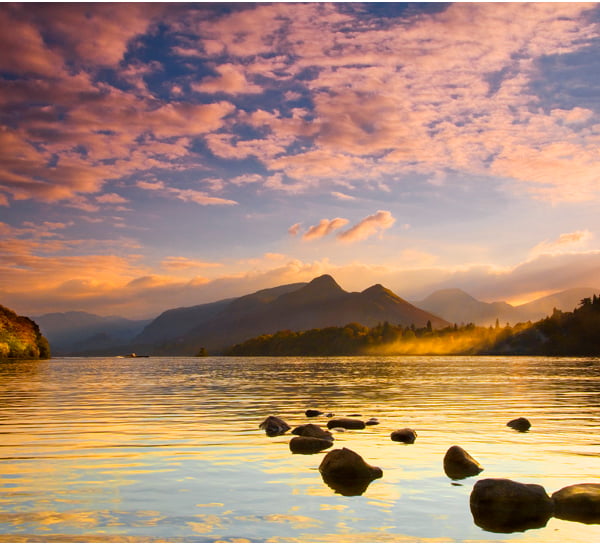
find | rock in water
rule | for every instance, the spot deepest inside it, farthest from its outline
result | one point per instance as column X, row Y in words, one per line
column 274, row 426
column 347, row 473
column 405, row 435
column 459, row 464
column 505, row 506
column 309, row 445
column 519, row 424
column 312, row 430
column 347, row 423
column 312, row 412
column 578, row 502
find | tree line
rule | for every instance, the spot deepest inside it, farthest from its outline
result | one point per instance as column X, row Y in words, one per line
column 562, row 334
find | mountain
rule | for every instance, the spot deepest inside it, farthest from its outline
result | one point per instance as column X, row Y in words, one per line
column 78, row 333
column 458, row 307
column 317, row 304
column 20, row 337
column 566, row 301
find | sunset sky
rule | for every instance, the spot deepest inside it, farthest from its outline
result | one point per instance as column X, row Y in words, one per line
column 163, row 155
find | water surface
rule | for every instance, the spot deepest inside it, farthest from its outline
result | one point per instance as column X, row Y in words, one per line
column 168, row 449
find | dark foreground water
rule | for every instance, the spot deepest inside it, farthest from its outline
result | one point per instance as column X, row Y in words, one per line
column 168, row 449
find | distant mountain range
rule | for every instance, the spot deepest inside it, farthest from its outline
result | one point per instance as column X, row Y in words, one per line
column 459, row 307
column 301, row 306
column 74, row 333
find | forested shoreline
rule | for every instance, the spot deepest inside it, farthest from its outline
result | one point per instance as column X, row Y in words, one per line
column 575, row 333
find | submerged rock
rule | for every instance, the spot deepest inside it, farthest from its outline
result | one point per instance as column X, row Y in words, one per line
column 520, row 424
column 505, row 506
column 274, row 426
column 347, row 473
column 405, row 435
column 372, row 422
column 459, row 464
column 312, row 430
column 578, row 502
column 309, row 445
column 312, row 412
column 346, row 423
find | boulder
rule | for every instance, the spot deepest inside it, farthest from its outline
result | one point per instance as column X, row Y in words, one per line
column 309, row 445
column 459, row 464
column 346, row 423
column 347, row 473
column 520, row 424
column 312, row 430
column 505, row 506
column 273, row 426
column 312, row 412
column 405, row 435
column 578, row 502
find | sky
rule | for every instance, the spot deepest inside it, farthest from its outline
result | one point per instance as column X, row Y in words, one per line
column 161, row 155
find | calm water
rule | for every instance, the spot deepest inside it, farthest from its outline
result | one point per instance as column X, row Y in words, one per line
column 168, row 449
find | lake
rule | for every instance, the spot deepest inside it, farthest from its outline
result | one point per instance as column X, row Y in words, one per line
column 169, row 449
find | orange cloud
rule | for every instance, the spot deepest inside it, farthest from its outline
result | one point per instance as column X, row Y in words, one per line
column 294, row 229
column 375, row 223
column 186, row 195
column 323, row 228
column 184, row 263
column 564, row 243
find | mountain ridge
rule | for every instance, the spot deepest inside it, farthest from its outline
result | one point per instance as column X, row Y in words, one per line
column 319, row 303
column 457, row 306
column 297, row 306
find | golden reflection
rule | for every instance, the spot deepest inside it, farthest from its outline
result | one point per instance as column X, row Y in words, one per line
column 207, row 525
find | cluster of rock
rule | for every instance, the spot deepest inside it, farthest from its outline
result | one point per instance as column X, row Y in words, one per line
column 503, row 505
column 497, row 505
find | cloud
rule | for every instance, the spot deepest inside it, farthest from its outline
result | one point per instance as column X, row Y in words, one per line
column 184, row 263
column 566, row 242
column 343, row 196
column 186, row 195
column 111, row 198
column 294, row 229
column 369, row 226
column 231, row 80
column 323, row 228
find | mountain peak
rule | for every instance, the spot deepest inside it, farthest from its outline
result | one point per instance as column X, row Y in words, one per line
column 321, row 287
column 324, row 281
column 377, row 290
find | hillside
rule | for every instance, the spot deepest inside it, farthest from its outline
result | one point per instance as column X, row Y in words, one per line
column 74, row 333
column 575, row 333
column 459, row 307
column 318, row 304
column 20, row 337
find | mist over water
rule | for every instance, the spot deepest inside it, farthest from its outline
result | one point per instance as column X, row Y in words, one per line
column 169, row 448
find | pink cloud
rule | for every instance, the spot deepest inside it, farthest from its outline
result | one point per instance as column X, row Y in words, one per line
column 369, row 226
column 323, row 228
column 186, row 195
column 231, row 80
column 294, row 229
column 111, row 198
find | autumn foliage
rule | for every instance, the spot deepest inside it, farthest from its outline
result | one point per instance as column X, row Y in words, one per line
column 20, row 337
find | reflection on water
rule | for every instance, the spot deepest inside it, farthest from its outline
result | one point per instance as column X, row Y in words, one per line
column 169, row 448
